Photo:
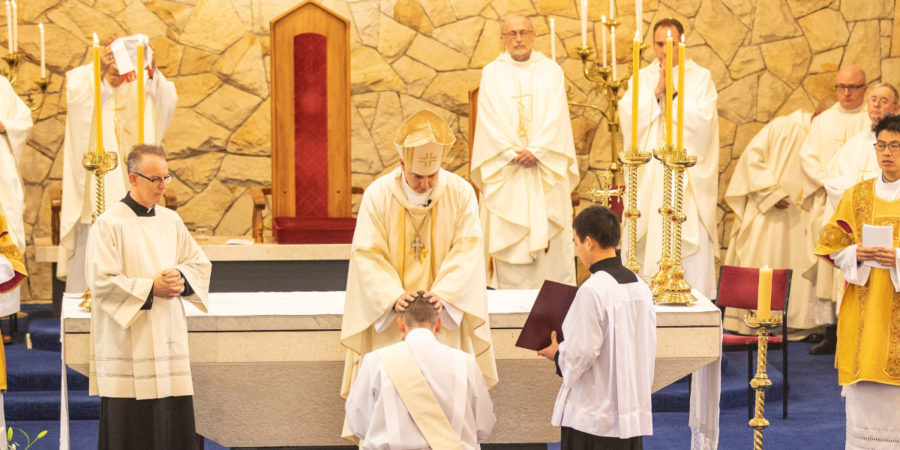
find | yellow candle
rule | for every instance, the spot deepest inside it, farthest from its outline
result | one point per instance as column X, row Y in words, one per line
column 764, row 294
column 139, row 71
column 680, row 145
column 635, row 98
column 98, row 103
column 669, row 89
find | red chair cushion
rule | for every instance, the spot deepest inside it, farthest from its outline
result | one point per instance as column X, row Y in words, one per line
column 738, row 287
column 736, row 339
column 323, row 230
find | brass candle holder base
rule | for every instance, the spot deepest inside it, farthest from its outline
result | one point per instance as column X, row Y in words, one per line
column 660, row 279
column 33, row 98
column 761, row 381
column 677, row 291
column 98, row 164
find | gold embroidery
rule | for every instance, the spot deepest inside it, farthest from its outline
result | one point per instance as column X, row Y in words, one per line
column 892, row 365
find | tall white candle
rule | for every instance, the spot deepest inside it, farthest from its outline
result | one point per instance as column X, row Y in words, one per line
column 9, row 42
column 15, row 12
column 584, row 12
column 43, row 63
column 552, row 40
column 612, row 9
column 603, row 39
column 612, row 44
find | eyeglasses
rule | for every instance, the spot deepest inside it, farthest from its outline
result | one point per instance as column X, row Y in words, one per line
column 166, row 179
column 893, row 146
column 521, row 33
column 848, row 87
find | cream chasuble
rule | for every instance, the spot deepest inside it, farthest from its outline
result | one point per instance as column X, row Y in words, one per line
column 16, row 117
column 526, row 213
column 384, row 265
column 138, row 353
column 763, row 235
column 701, row 138
column 827, row 134
column 119, row 135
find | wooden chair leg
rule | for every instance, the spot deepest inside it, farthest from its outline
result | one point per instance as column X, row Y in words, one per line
column 750, row 396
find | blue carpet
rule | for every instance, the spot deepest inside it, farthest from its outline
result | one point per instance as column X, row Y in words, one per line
column 82, row 434
column 44, row 334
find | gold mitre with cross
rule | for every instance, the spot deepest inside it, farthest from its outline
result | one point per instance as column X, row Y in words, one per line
column 422, row 140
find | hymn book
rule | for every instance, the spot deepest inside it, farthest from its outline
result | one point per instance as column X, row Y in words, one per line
column 547, row 314
column 877, row 236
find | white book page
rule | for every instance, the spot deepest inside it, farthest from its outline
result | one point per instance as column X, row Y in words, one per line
column 877, row 236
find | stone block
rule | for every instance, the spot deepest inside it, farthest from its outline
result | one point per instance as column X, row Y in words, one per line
column 801, row 8
column 557, row 8
column 364, row 153
column 864, row 49
column 196, row 61
column 411, row 14
column 829, row 61
column 687, row 7
column 228, row 106
column 393, row 37
column 47, row 135
column 773, row 22
column 890, row 71
column 245, row 170
column 137, row 18
column 242, row 65
column 787, row 59
column 212, row 26
column 174, row 14
column 740, row 7
column 388, row 117
column 459, row 35
column 182, row 138
column 819, row 85
column 183, row 191
column 798, row 100
column 436, row 55
column 489, row 45
column 370, row 72
column 747, row 60
column 707, row 58
column 254, row 137
column 734, row 103
column 417, row 76
column 468, row 8
column 34, row 166
column 366, row 19
column 439, row 12
column 237, row 221
column 192, row 89
column 205, row 209
column 824, row 29
column 450, row 90
column 722, row 30
column 772, row 93
column 726, row 132
column 198, row 170
column 506, row 7
column 168, row 54
column 81, row 20
column 868, row 9
column 745, row 133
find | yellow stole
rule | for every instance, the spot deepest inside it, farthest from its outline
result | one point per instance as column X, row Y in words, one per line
column 868, row 346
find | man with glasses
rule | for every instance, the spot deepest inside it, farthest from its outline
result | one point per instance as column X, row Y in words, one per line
column 119, row 106
column 141, row 263
column 868, row 345
column 523, row 161
column 828, row 132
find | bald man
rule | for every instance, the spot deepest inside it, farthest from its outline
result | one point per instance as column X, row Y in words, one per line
column 828, row 132
column 523, row 161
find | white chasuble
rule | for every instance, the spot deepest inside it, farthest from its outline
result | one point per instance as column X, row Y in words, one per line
column 16, row 117
column 526, row 213
column 137, row 353
column 119, row 135
column 384, row 264
column 764, row 235
column 701, row 138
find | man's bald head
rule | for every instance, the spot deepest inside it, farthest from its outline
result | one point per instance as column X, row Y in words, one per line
column 517, row 34
column 850, row 86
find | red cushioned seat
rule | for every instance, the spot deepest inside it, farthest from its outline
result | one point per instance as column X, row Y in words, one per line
column 313, row 230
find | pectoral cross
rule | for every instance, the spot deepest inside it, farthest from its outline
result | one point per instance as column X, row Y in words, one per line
column 418, row 249
column 603, row 191
column 523, row 117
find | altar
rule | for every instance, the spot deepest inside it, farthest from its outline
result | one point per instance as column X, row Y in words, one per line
column 267, row 366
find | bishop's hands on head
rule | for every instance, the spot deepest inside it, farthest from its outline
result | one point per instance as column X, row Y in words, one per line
column 408, row 297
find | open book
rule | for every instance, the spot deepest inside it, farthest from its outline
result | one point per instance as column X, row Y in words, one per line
column 547, row 314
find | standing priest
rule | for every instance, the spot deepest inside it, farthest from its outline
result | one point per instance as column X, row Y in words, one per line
column 523, row 161
column 701, row 138
column 868, row 344
column 141, row 263
column 119, row 104
column 417, row 229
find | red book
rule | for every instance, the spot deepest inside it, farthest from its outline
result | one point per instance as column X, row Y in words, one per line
column 547, row 314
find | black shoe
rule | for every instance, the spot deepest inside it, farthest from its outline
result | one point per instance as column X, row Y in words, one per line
column 828, row 344
column 814, row 338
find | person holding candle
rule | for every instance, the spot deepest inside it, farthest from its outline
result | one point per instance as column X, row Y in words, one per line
column 15, row 127
column 523, row 161
column 868, row 342
column 700, row 130
column 119, row 125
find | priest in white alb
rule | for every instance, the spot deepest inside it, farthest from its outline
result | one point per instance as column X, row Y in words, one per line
column 828, row 132
column 700, row 241
column 523, row 162
column 142, row 265
column 763, row 194
column 417, row 230
column 15, row 127
column 119, row 124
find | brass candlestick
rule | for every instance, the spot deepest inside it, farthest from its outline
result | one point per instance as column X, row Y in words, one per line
column 761, row 381
column 661, row 278
column 632, row 159
column 98, row 164
column 33, row 98
column 677, row 291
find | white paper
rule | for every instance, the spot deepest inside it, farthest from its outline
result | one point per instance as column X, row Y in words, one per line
column 877, row 236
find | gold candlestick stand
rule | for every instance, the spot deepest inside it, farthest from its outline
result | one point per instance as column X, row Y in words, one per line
column 761, row 381
column 632, row 159
column 98, row 164
column 661, row 278
column 675, row 291
column 33, row 98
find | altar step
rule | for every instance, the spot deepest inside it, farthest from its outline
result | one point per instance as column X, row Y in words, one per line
column 44, row 333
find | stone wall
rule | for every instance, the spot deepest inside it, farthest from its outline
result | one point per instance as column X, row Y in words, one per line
column 767, row 57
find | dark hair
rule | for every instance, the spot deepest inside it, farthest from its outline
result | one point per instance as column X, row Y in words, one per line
column 600, row 224
column 420, row 312
column 890, row 122
column 669, row 22
column 136, row 155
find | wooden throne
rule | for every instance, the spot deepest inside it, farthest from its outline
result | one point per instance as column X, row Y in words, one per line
column 311, row 191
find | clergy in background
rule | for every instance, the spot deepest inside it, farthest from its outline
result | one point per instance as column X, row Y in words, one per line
column 608, row 357
column 417, row 230
column 142, row 263
column 701, row 138
column 523, row 161
column 12, row 273
column 828, row 132
column 868, row 344
column 420, row 393
column 15, row 127
column 119, row 98
column 763, row 193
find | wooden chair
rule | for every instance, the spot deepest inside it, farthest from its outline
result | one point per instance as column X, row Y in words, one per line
column 311, row 191
column 738, row 288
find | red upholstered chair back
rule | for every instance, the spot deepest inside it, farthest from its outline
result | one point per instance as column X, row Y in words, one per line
column 738, row 287
column 310, row 125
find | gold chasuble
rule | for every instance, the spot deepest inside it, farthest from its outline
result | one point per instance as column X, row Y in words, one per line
column 12, row 254
column 399, row 247
column 864, row 351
